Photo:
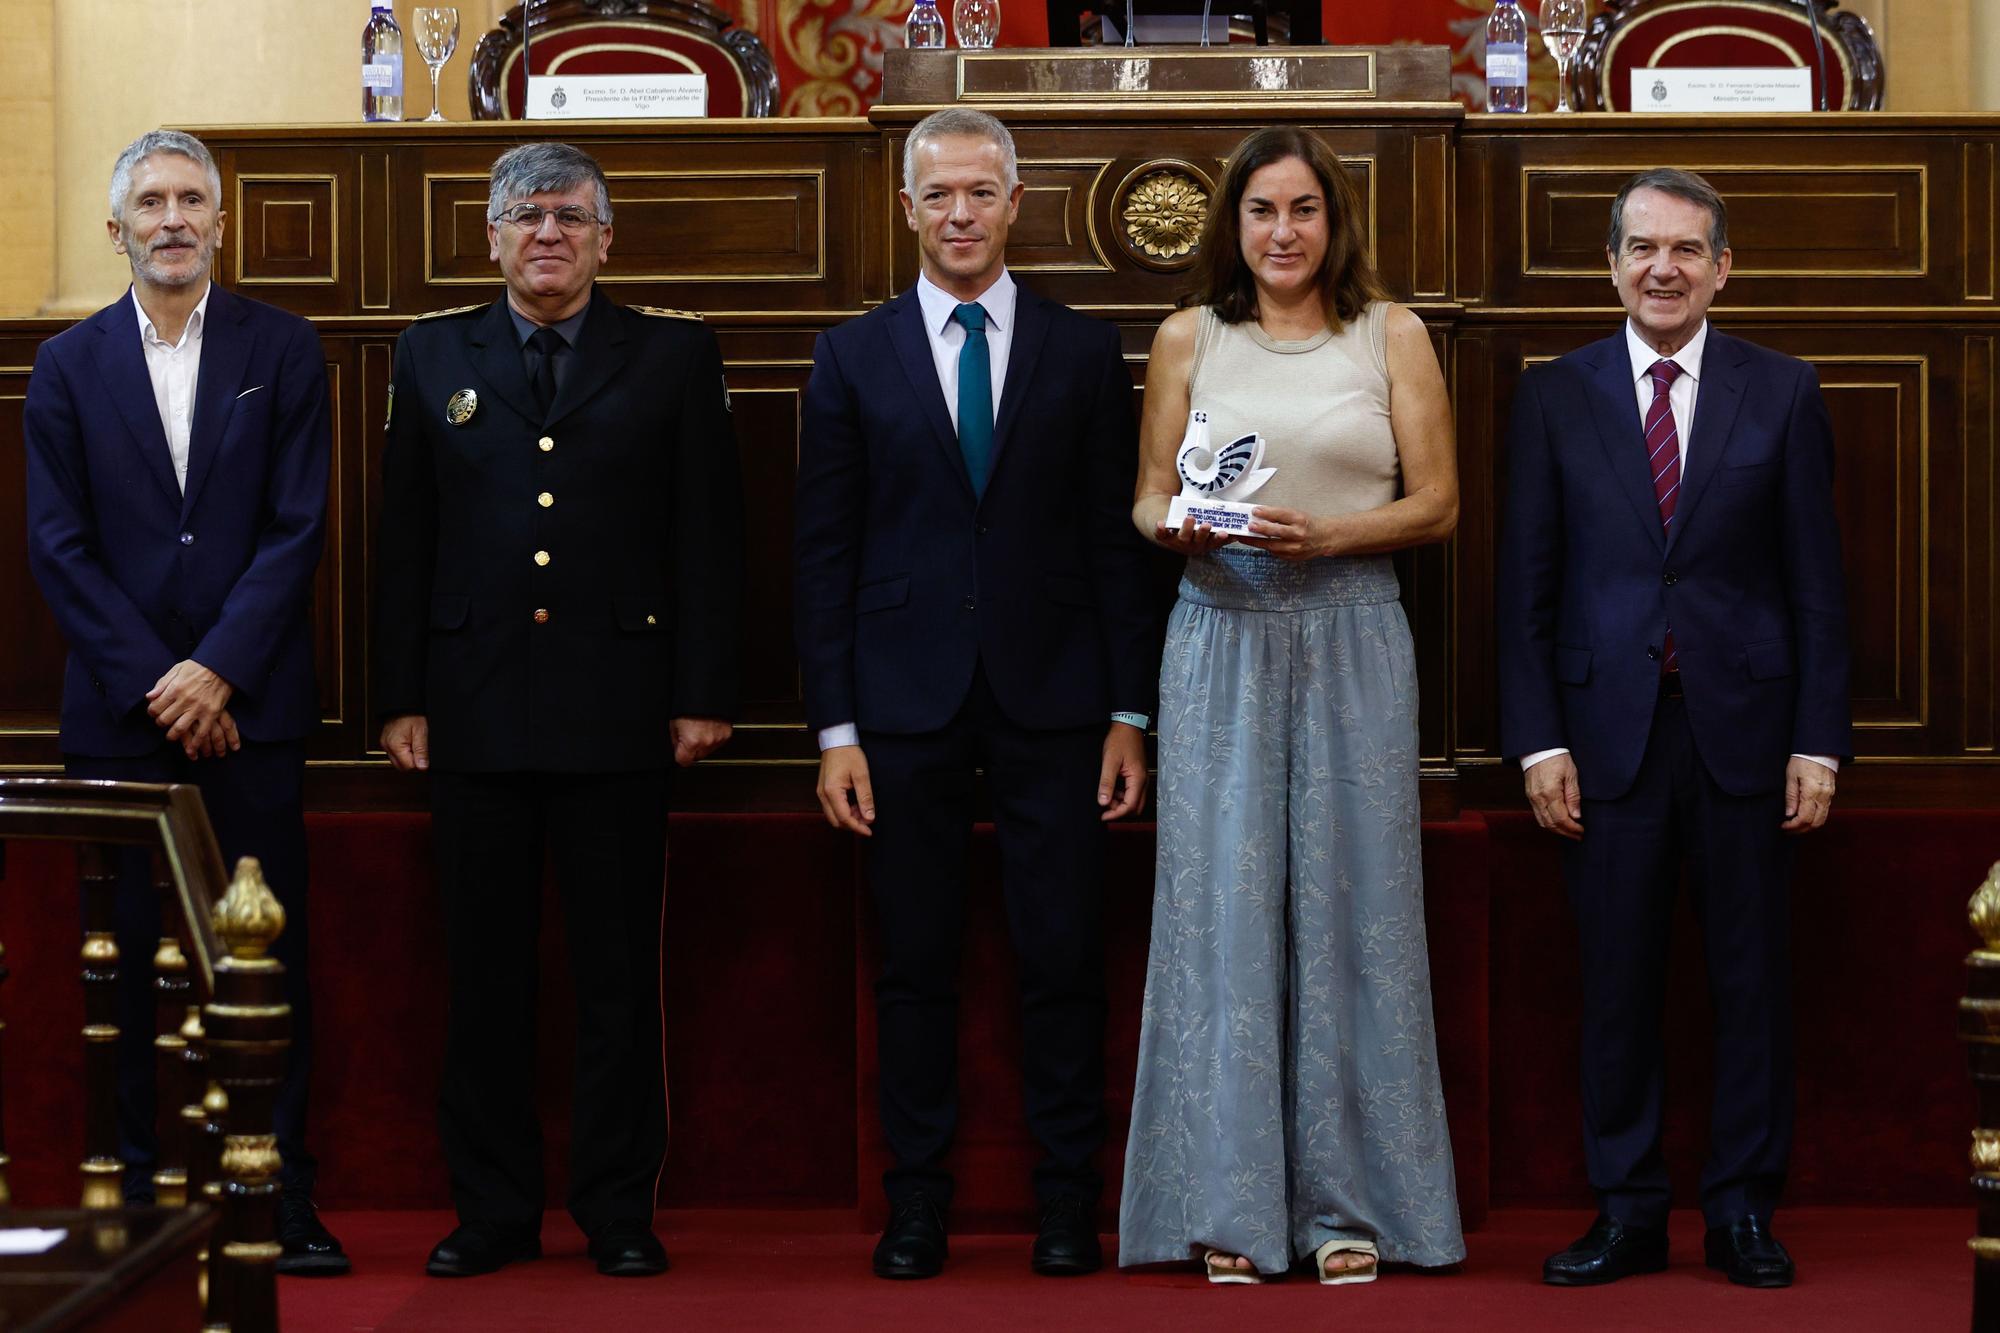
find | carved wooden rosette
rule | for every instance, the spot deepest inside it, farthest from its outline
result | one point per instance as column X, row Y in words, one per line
column 248, row 1027
column 103, row 1172
column 1979, row 1029
column 1160, row 210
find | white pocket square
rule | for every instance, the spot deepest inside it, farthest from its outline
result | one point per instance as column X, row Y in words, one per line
column 247, row 392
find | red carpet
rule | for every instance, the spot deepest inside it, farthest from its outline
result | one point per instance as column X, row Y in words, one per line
column 1898, row 1269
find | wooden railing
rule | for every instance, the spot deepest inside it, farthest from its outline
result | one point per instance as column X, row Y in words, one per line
column 1979, row 1029
column 224, row 1025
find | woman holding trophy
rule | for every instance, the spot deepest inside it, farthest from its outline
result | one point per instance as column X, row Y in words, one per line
column 1288, row 1106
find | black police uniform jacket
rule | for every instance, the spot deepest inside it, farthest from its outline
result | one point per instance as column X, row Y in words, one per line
column 552, row 591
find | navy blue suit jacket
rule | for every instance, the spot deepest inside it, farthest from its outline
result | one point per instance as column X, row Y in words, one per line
column 1750, row 579
column 907, row 582
column 141, row 576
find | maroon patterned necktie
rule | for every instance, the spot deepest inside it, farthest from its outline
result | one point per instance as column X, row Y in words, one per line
column 1663, row 446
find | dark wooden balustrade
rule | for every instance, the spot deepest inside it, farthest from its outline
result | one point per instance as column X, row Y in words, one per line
column 1979, row 1029
column 223, row 1024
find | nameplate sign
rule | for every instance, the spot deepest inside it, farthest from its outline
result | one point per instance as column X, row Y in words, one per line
column 617, row 96
column 1691, row 89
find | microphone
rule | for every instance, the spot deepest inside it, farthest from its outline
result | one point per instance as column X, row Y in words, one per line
column 1204, row 21
column 1129, row 41
column 527, row 58
column 1819, row 50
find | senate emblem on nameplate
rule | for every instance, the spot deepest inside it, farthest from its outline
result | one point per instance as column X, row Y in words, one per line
column 459, row 409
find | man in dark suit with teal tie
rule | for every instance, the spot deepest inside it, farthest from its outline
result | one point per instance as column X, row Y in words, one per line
column 971, row 594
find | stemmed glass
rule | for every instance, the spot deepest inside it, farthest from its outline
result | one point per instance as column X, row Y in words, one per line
column 437, row 38
column 977, row 23
column 1562, row 33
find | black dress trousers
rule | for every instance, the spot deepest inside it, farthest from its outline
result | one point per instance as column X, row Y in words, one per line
column 1622, row 879
column 1046, row 817
column 607, row 833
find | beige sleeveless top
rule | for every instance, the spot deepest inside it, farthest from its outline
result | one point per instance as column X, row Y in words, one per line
column 1321, row 404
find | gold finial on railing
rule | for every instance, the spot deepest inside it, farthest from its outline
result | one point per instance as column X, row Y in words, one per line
column 1984, row 909
column 249, row 917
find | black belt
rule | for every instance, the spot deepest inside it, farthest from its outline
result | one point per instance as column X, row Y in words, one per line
column 1670, row 684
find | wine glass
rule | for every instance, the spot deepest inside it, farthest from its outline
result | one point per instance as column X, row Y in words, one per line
column 1562, row 33
column 977, row 23
column 437, row 38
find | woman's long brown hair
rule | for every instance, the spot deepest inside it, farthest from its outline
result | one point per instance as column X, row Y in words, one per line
column 1347, row 278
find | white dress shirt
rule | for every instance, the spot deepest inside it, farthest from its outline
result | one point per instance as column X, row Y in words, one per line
column 1680, row 400
column 174, row 368
column 947, row 335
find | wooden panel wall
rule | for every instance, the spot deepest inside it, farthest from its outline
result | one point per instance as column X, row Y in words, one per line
column 1865, row 244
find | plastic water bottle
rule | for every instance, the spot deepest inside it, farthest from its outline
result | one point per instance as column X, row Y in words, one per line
column 925, row 26
column 382, row 65
column 1506, row 57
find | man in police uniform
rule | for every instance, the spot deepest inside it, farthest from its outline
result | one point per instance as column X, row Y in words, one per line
column 556, row 626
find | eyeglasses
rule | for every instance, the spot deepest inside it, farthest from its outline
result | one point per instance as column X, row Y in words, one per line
column 572, row 218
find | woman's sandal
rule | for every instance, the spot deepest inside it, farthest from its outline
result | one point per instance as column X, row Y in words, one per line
column 1361, row 1272
column 1222, row 1273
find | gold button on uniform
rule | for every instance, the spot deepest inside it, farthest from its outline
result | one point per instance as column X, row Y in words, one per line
column 545, row 444
column 545, row 499
column 541, row 557
column 541, row 616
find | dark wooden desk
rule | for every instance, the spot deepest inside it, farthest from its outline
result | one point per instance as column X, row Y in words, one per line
column 130, row 1271
column 1867, row 243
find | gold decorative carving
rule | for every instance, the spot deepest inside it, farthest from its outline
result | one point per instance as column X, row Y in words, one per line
column 1986, row 1150
column 1985, row 1249
column 168, row 960
column 215, row 1102
column 1160, row 209
column 100, row 946
column 249, row 917
column 252, row 1251
column 170, row 1188
column 102, row 1183
column 191, row 1028
column 250, row 1157
column 1984, row 913
column 1163, row 213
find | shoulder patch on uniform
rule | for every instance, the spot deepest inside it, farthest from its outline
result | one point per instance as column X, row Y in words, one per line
column 455, row 310
column 665, row 313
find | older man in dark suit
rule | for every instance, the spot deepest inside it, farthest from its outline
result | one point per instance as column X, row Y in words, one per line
column 556, row 627
column 971, row 593
column 1673, row 679
column 178, row 444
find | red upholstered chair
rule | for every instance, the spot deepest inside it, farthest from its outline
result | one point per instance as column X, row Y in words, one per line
column 624, row 37
column 1644, row 34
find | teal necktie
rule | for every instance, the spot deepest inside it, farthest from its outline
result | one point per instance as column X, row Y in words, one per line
column 975, row 397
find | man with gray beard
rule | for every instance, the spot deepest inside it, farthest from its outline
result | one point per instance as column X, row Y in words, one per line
column 177, row 452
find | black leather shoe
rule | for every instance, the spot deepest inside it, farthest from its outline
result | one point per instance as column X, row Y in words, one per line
column 1749, row 1253
column 1608, row 1251
column 913, row 1244
column 474, row 1248
column 628, row 1249
column 1066, row 1244
column 309, row 1248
